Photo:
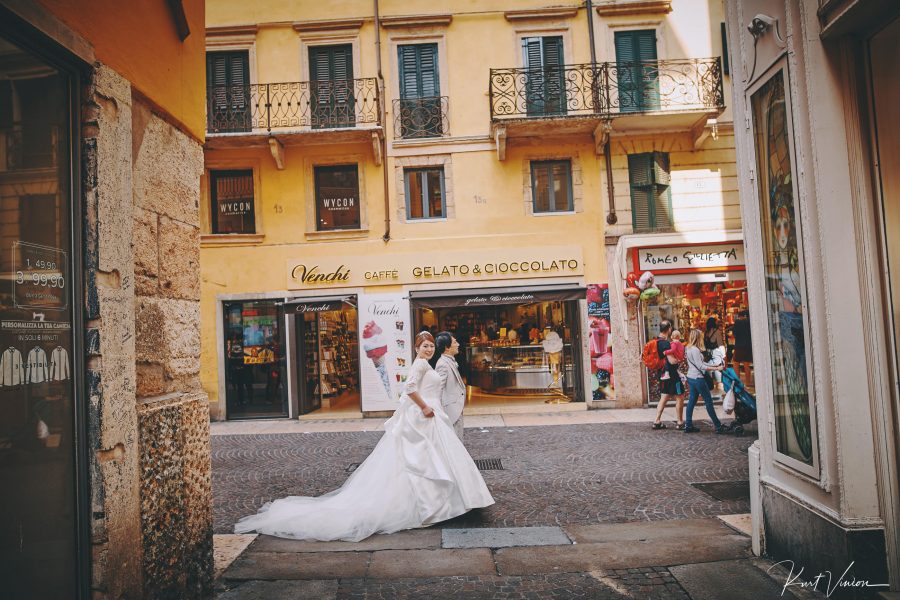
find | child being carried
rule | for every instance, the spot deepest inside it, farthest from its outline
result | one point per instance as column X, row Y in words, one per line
column 675, row 353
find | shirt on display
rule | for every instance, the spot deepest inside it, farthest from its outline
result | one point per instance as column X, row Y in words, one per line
column 12, row 369
column 59, row 364
column 36, row 370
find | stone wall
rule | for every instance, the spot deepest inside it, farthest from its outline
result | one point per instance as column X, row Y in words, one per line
column 628, row 368
column 149, row 422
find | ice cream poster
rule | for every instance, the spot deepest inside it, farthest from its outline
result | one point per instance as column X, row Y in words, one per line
column 602, row 383
column 385, row 353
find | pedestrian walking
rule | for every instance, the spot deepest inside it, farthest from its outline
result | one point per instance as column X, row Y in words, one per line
column 670, row 384
column 453, row 388
column 697, row 383
column 714, row 340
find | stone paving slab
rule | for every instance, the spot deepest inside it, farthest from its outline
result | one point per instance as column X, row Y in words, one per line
column 645, row 530
column 734, row 579
column 282, row 565
column 503, row 537
column 227, row 547
column 631, row 584
column 402, row 540
column 395, row 564
column 281, row 590
column 741, row 523
column 618, row 555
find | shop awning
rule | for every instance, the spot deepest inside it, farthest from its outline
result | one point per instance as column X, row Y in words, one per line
column 495, row 296
column 318, row 303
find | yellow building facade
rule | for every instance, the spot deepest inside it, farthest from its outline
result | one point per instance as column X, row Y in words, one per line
column 377, row 169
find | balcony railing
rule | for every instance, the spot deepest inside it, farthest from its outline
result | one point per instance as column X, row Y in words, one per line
column 607, row 89
column 28, row 147
column 295, row 105
column 421, row 117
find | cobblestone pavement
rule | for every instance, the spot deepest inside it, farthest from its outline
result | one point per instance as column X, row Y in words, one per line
column 553, row 475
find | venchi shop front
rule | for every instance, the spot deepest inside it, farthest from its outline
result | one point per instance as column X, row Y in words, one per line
column 338, row 340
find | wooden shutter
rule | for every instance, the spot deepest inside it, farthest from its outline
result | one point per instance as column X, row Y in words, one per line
column 641, row 201
column 625, row 47
column 418, row 71
column 639, row 171
column 661, row 168
column 428, row 70
column 637, row 70
column 409, row 72
column 553, row 51
column 534, row 58
column 640, row 176
column 645, row 43
column 662, row 207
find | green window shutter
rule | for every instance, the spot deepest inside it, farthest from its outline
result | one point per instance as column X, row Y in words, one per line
column 639, row 171
column 645, row 43
column 553, row 51
column 331, row 85
column 534, row 58
column 408, row 60
column 661, row 173
column 638, row 77
column 662, row 209
column 641, row 219
column 419, row 76
column 331, row 63
column 625, row 47
column 428, row 70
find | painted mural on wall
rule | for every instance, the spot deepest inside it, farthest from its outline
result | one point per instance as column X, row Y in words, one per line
column 783, row 271
column 600, row 342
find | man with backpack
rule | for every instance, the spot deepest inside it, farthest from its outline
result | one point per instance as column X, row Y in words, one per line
column 654, row 358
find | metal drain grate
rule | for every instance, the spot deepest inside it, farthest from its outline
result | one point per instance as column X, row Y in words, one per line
column 352, row 467
column 488, row 464
column 725, row 490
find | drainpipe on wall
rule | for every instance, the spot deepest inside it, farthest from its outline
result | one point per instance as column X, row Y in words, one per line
column 611, row 218
column 384, row 159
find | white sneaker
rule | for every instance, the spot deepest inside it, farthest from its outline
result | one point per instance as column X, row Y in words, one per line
column 42, row 431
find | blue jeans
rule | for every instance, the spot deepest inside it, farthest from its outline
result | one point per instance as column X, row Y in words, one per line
column 698, row 387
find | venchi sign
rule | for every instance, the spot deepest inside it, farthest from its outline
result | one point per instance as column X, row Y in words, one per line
column 310, row 274
column 467, row 265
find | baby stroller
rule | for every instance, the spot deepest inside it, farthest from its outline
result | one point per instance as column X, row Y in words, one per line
column 744, row 402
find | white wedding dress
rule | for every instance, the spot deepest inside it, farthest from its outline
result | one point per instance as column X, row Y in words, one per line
column 418, row 474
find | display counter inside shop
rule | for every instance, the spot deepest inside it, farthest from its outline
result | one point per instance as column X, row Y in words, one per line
column 513, row 368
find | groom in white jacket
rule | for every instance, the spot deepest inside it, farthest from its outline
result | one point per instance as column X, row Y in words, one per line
column 453, row 388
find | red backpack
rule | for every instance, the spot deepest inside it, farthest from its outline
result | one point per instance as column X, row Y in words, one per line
column 650, row 356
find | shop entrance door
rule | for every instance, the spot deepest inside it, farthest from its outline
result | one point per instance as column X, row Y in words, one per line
column 693, row 301
column 43, row 466
column 326, row 369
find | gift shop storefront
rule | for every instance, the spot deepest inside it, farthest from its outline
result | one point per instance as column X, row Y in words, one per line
column 701, row 285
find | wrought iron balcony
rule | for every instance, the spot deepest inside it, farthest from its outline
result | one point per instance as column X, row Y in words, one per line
column 294, row 105
column 421, row 117
column 607, row 89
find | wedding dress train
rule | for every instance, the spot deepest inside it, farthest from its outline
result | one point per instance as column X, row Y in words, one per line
column 418, row 474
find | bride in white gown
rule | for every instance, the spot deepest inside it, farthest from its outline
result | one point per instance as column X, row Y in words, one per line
column 418, row 474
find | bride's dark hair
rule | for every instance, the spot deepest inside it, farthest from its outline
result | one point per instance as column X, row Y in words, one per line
column 443, row 341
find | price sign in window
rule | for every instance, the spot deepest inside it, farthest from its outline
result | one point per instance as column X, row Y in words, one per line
column 40, row 276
